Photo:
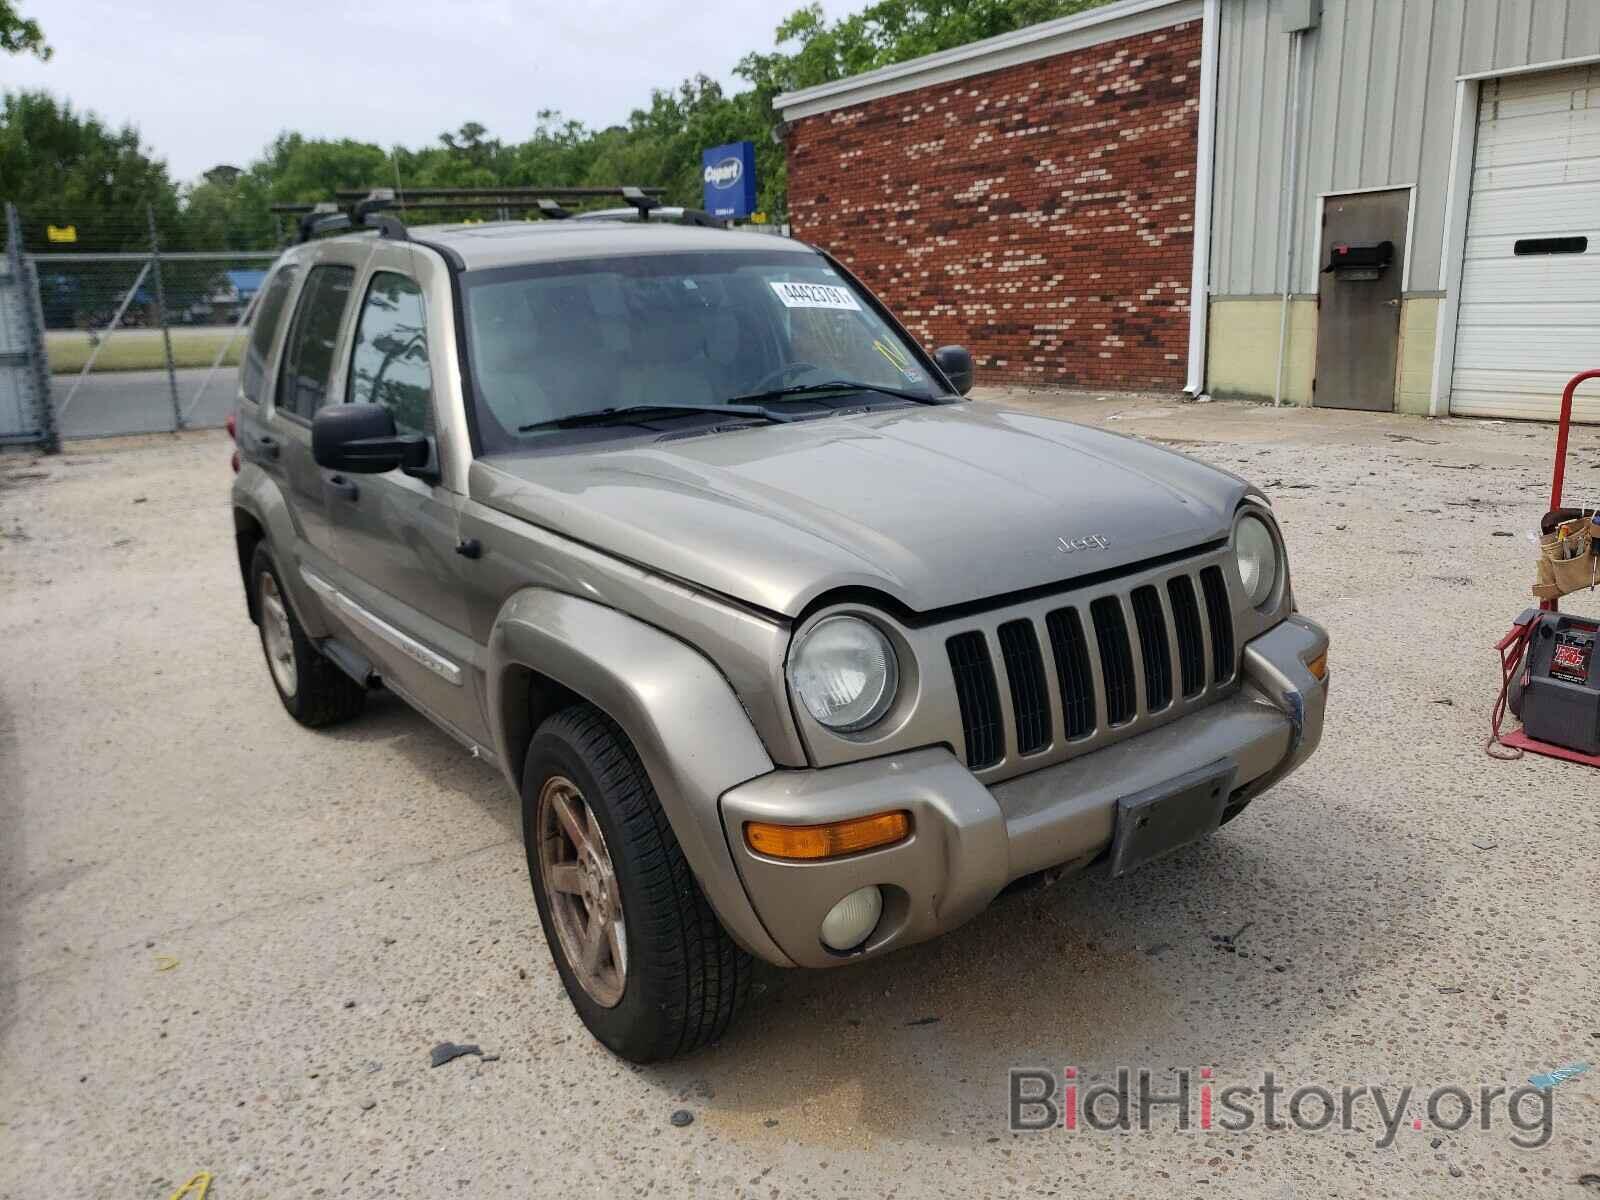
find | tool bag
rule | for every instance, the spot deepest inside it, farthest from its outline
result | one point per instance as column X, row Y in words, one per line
column 1569, row 554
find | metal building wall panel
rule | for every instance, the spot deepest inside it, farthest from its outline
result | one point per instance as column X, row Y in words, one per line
column 1378, row 101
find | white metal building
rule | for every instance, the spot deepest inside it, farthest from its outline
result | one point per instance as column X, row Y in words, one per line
column 1464, row 133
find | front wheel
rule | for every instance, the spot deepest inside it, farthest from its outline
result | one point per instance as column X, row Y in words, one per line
column 645, row 961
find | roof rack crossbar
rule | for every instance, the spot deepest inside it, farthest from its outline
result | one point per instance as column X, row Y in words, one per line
column 549, row 207
column 408, row 195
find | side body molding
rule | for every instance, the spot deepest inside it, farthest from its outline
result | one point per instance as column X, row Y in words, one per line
column 691, row 733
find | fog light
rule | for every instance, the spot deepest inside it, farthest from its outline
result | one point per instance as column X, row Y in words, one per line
column 850, row 921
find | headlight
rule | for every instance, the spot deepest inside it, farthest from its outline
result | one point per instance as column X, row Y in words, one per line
column 1257, row 552
column 845, row 673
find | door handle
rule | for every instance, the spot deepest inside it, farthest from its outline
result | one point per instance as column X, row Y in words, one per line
column 342, row 487
column 267, row 445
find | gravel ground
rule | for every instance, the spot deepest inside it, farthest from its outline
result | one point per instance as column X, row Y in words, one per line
column 228, row 943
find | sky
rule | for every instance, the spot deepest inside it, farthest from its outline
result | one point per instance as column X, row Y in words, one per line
column 209, row 83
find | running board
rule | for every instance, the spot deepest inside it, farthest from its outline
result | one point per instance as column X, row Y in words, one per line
column 351, row 662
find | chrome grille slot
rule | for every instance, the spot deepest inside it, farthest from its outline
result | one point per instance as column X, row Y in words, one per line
column 1153, row 647
column 978, row 697
column 1030, row 695
column 1219, row 616
column 1191, row 640
column 1074, row 675
column 1116, row 659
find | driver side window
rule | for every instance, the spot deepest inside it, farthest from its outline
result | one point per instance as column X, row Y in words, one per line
column 389, row 363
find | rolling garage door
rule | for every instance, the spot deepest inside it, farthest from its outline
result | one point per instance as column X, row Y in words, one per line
column 1530, row 283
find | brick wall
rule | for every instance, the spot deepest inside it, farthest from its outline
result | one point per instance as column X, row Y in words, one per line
column 1042, row 215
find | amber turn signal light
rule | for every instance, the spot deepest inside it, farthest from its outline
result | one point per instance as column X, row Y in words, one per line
column 830, row 840
column 1318, row 666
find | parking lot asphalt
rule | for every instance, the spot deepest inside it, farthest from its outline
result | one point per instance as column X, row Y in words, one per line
column 227, row 944
column 113, row 403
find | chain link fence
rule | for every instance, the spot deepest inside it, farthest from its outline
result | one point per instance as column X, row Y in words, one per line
column 139, row 335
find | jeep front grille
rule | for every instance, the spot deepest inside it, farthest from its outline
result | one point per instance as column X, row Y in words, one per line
column 1030, row 699
column 1116, row 663
column 1075, row 675
column 978, row 698
column 1216, row 590
column 1116, row 659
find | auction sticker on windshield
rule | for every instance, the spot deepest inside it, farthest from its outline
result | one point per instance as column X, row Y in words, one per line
column 815, row 295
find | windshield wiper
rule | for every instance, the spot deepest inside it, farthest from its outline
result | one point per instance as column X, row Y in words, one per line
column 632, row 412
column 837, row 385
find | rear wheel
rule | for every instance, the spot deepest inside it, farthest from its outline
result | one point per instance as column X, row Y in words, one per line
column 646, row 963
column 313, row 690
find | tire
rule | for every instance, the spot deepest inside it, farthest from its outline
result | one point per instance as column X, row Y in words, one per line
column 314, row 691
column 683, row 978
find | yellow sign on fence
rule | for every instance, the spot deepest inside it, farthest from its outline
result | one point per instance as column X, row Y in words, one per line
column 61, row 233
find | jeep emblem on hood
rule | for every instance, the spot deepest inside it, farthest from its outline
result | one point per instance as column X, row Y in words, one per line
column 1071, row 546
column 724, row 174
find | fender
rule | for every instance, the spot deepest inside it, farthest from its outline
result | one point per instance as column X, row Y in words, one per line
column 257, row 493
column 683, row 718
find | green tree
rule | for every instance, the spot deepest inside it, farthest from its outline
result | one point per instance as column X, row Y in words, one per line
column 229, row 209
column 62, row 167
column 18, row 35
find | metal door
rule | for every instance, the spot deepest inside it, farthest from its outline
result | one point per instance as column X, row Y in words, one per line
column 396, row 534
column 1529, row 310
column 1358, row 305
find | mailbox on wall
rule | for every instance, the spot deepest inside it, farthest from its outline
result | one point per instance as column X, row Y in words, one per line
column 1350, row 260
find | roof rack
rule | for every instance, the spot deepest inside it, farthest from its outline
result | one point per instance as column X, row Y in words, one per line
column 353, row 209
column 641, row 201
column 326, row 217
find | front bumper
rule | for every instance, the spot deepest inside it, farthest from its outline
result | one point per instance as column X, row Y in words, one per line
column 968, row 841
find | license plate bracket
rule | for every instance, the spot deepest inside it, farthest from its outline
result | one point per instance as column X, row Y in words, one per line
column 1162, row 819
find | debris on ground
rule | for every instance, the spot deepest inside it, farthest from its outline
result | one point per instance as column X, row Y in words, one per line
column 165, row 962
column 923, row 1021
column 196, row 1187
column 1228, row 942
column 1560, row 1075
column 1444, row 700
column 1451, row 991
column 1484, row 844
column 449, row 1051
column 682, row 1117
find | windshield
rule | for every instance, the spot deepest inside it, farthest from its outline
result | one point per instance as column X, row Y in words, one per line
column 555, row 340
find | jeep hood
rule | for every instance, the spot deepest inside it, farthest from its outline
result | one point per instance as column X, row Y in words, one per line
column 933, row 506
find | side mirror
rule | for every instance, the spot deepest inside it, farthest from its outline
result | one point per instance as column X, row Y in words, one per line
column 361, row 439
column 956, row 363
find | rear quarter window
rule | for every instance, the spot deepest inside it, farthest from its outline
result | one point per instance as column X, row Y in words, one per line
column 264, row 331
column 308, row 353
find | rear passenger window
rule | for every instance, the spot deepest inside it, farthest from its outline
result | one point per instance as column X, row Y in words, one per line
column 389, row 365
column 308, row 358
column 264, row 330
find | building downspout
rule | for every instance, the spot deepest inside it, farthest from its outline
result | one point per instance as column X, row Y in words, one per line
column 1290, row 203
column 1205, row 162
